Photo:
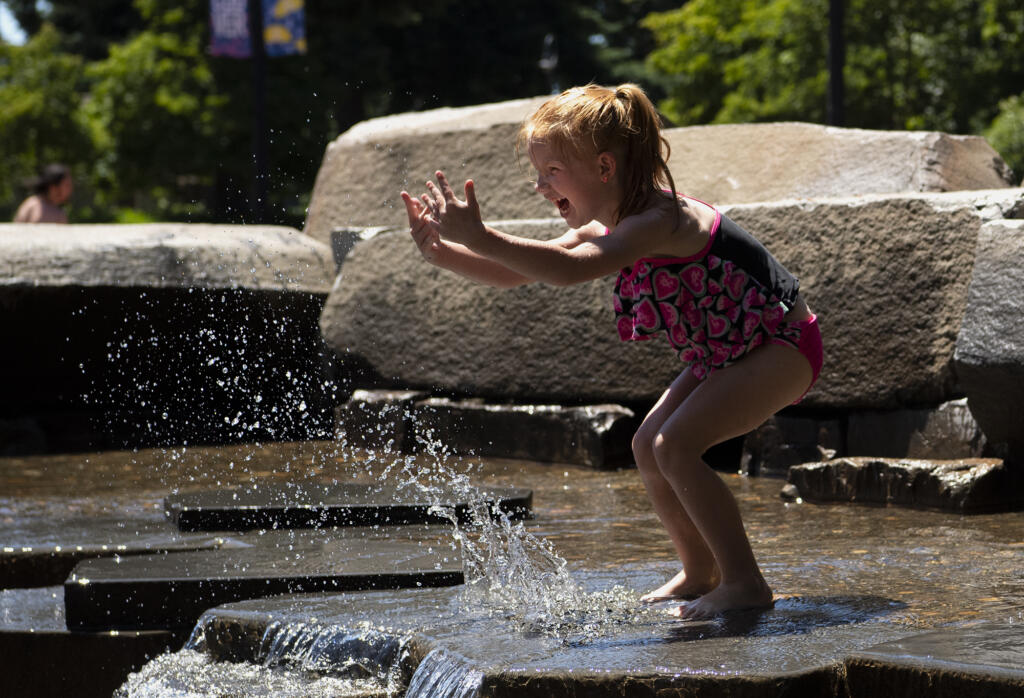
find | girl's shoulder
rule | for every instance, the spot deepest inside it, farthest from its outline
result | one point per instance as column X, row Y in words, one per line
column 672, row 226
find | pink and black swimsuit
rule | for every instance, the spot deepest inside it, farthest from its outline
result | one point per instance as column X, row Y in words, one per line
column 717, row 305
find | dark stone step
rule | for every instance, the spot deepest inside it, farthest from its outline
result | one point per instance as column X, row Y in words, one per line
column 173, row 590
column 43, row 659
column 268, row 506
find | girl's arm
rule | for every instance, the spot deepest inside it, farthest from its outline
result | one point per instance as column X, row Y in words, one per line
column 592, row 256
column 462, row 260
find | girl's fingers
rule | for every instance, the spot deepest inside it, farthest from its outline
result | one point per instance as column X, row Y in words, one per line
column 412, row 208
column 446, row 189
column 437, row 196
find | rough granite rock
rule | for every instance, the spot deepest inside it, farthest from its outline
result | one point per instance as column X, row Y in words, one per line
column 967, row 486
column 887, row 276
column 724, row 164
column 597, row 436
column 399, row 421
column 946, row 432
column 989, row 356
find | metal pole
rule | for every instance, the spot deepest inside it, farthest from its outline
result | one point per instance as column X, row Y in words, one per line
column 836, row 59
column 259, row 112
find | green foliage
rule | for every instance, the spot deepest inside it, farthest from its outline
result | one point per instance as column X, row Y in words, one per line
column 1006, row 134
column 154, row 111
column 934, row 64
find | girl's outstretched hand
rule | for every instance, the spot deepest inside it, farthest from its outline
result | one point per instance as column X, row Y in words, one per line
column 458, row 221
column 422, row 227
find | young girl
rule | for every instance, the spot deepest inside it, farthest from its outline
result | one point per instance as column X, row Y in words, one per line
column 730, row 309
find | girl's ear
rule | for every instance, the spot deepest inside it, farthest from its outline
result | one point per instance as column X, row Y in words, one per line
column 607, row 164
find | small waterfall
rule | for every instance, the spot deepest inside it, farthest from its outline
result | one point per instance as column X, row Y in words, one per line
column 298, row 660
column 440, row 675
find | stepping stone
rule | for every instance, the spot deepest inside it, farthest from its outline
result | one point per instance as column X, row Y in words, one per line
column 269, row 506
column 982, row 660
column 40, row 553
column 173, row 590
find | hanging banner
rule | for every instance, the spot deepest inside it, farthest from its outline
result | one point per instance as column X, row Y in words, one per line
column 229, row 28
column 284, row 27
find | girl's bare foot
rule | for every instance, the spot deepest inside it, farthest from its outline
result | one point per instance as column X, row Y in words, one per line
column 680, row 587
column 739, row 596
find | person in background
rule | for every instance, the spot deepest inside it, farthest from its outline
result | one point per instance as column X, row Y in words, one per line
column 50, row 190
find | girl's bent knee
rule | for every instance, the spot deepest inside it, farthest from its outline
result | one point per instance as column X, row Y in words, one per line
column 672, row 450
column 643, row 449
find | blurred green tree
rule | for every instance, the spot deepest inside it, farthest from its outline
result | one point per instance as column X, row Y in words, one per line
column 163, row 130
column 934, row 64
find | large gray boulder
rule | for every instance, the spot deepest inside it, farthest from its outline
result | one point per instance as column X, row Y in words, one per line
column 989, row 357
column 138, row 335
column 887, row 275
column 365, row 168
column 163, row 255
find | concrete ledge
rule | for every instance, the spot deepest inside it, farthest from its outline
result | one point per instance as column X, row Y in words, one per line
column 966, row 486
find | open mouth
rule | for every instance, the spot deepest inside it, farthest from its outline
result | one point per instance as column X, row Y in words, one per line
column 563, row 206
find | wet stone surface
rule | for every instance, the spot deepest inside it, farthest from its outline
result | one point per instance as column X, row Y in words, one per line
column 985, row 659
column 320, row 505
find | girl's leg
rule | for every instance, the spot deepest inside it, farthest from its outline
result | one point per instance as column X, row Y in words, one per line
column 699, row 574
column 729, row 403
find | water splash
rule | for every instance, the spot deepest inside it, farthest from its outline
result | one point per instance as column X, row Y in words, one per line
column 510, row 572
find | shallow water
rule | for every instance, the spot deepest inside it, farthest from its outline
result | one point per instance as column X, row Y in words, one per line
column 845, row 576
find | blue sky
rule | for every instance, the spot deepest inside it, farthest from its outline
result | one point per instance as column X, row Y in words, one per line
column 9, row 29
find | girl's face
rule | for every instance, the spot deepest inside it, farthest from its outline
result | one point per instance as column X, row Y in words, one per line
column 581, row 187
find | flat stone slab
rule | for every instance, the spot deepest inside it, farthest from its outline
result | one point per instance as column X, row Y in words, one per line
column 979, row 660
column 42, row 658
column 797, row 647
column 172, row 590
column 971, row 485
column 42, row 553
column 164, row 255
column 269, row 506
